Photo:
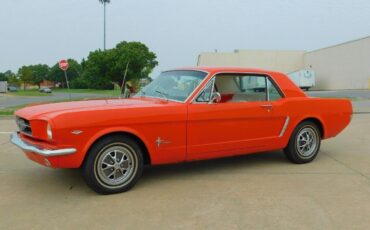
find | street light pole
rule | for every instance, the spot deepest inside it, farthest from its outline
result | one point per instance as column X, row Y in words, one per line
column 104, row 2
column 104, row 25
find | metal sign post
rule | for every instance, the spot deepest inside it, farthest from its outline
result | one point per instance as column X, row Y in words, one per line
column 69, row 92
column 63, row 65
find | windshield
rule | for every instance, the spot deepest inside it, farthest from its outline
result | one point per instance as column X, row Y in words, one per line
column 173, row 85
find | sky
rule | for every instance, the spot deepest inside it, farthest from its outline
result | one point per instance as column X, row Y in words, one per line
column 45, row 31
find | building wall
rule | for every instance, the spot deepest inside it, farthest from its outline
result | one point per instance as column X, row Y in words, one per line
column 46, row 83
column 283, row 61
column 344, row 66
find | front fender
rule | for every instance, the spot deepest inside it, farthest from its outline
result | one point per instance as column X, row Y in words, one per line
column 107, row 131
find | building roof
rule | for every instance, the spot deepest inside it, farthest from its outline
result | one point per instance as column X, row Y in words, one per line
column 340, row 44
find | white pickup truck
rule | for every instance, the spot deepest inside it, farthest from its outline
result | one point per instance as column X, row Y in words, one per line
column 304, row 79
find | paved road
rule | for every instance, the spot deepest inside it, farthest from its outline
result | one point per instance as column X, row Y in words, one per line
column 262, row 191
column 9, row 101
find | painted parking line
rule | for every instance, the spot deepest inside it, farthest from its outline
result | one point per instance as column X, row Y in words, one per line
column 6, row 132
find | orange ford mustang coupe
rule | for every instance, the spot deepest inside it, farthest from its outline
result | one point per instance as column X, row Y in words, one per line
column 183, row 115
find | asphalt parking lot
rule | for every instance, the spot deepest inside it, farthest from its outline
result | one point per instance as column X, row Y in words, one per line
column 248, row 192
column 7, row 100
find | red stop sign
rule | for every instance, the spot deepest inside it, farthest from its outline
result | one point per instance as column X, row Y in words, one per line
column 63, row 65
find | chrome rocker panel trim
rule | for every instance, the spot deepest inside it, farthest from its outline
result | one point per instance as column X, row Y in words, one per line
column 16, row 140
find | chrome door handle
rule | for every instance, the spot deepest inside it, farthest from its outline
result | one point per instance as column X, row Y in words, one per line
column 267, row 106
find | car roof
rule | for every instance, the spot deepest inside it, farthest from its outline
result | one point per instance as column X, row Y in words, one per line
column 211, row 69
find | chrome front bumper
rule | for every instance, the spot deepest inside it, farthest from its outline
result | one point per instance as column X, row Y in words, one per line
column 15, row 139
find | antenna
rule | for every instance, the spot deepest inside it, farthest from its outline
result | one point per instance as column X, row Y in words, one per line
column 123, row 87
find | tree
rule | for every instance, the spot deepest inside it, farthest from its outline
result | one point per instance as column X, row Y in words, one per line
column 141, row 61
column 9, row 73
column 25, row 75
column 104, row 2
column 13, row 80
column 11, row 77
column 32, row 74
column 3, row 77
column 102, row 68
column 96, row 69
column 57, row 75
column 39, row 73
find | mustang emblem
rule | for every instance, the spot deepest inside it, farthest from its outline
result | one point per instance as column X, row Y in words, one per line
column 159, row 141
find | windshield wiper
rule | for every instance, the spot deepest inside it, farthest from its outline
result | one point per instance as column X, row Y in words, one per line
column 164, row 95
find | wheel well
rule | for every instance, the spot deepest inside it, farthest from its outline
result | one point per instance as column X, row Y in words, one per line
column 316, row 122
column 143, row 147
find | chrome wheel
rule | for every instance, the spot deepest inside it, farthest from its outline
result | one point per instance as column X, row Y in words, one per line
column 304, row 143
column 307, row 142
column 116, row 165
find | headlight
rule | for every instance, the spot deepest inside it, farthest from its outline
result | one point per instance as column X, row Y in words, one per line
column 49, row 132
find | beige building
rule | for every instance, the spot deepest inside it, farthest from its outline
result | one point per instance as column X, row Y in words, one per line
column 343, row 66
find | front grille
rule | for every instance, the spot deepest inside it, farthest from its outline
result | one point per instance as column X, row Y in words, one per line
column 24, row 126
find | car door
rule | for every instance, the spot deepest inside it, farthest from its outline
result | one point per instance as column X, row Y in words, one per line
column 244, row 122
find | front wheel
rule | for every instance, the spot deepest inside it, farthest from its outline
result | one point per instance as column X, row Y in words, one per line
column 113, row 165
column 304, row 144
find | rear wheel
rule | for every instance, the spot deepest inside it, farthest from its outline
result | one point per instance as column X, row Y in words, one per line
column 304, row 144
column 113, row 165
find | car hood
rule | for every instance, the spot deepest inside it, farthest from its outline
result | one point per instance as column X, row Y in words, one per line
column 37, row 111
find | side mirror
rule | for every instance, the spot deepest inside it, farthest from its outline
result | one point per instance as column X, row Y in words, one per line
column 215, row 98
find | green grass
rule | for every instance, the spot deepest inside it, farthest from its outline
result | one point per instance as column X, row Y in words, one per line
column 28, row 93
column 10, row 110
column 115, row 92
